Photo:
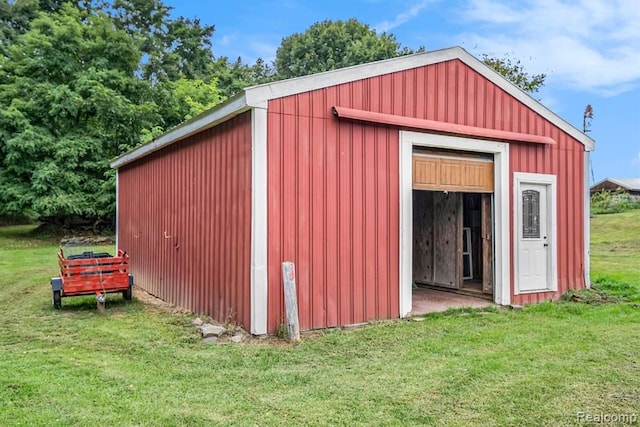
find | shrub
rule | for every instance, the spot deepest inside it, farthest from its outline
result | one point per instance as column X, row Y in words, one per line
column 604, row 202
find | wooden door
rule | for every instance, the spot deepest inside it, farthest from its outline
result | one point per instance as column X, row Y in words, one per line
column 447, row 239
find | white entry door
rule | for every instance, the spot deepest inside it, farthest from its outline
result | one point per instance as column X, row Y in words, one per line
column 535, row 244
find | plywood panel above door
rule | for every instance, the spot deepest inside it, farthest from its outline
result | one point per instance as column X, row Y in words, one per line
column 452, row 172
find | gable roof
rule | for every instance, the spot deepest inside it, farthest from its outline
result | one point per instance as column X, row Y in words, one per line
column 632, row 184
column 258, row 96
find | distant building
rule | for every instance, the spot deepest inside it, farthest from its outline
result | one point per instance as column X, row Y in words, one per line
column 630, row 186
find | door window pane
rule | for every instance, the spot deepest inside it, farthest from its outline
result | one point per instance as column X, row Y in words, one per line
column 531, row 214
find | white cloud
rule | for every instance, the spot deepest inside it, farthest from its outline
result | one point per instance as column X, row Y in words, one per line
column 263, row 49
column 403, row 17
column 591, row 45
column 636, row 160
column 227, row 39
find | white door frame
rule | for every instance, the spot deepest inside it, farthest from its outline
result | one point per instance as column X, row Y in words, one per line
column 500, row 151
column 550, row 181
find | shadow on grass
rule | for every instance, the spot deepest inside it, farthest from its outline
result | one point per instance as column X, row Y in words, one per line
column 88, row 303
column 460, row 312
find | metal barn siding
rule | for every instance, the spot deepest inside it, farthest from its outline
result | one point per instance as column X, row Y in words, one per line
column 565, row 160
column 333, row 186
column 332, row 210
column 185, row 220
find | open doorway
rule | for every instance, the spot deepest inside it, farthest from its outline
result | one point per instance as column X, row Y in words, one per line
column 477, row 244
column 448, row 165
column 452, row 242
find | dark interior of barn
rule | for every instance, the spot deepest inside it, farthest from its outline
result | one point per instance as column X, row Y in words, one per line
column 452, row 247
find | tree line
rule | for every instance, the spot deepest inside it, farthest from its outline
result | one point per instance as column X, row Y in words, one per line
column 85, row 81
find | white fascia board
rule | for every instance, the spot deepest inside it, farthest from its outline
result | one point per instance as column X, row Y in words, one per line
column 311, row 82
column 526, row 99
column 197, row 124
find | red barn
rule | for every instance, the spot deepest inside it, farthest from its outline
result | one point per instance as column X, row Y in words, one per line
column 424, row 169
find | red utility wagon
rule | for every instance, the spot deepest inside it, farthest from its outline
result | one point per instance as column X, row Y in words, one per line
column 90, row 273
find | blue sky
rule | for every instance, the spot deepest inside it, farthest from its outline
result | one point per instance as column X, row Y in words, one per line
column 589, row 49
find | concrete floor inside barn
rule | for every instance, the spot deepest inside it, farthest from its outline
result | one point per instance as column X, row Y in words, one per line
column 428, row 300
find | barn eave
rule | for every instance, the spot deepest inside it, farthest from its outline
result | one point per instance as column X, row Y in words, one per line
column 258, row 97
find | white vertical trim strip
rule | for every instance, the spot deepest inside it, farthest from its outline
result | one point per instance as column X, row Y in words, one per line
column 500, row 151
column 587, row 221
column 259, row 277
column 553, row 233
column 406, row 224
column 502, row 239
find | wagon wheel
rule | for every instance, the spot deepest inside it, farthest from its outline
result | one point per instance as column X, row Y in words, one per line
column 127, row 294
column 57, row 300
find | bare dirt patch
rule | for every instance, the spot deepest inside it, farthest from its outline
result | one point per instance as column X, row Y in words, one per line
column 146, row 298
column 232, row 330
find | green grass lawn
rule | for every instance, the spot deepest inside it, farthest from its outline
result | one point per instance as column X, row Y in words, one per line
column 615, row 246
column 139, row 364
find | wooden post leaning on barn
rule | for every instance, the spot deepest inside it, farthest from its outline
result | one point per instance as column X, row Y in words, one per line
column 291, row 300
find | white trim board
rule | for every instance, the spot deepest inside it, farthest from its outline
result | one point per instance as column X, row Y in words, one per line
column 587, row 221
column 259, row 274
column 552, row 221
column 500, row 151
column 206, row 120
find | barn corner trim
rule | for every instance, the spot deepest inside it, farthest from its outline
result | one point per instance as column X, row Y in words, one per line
column 259, row 226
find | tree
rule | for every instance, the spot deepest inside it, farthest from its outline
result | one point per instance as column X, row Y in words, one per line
column 69, row 102
column 171, row 49
column 16, row 17
column 234, row 76
column 181, row 100
column 328, row 45
column 81, row 83
column 515, row 72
